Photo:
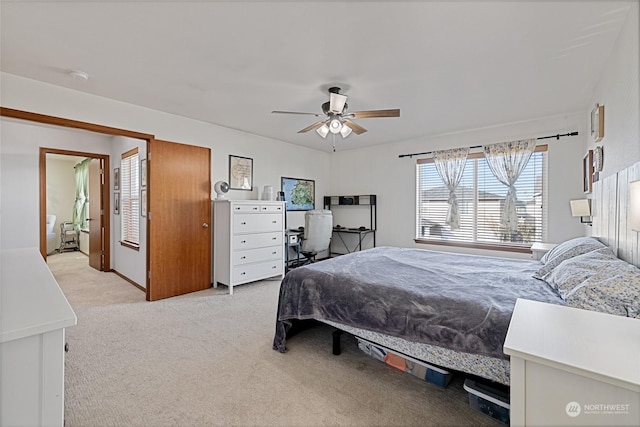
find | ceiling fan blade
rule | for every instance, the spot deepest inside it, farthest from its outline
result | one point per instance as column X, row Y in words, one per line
column 356, row 128
column 297, row 112
column 337, row 102
column 375, row 113
column 312, row 127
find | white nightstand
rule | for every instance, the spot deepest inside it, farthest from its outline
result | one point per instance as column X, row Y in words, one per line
column 538, row 249
column 572, row 367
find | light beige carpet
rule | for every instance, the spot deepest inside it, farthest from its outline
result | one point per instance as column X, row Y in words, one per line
column 205, row 359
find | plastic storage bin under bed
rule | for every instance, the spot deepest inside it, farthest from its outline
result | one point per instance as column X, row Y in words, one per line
column 418, row 368
column 488, row 400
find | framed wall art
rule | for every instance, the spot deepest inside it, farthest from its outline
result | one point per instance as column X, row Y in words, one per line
column 240, row 173
column 587, row 172
column 143, row 173
column 299, row 194
column 116, row 203
column 116, row 179
column 143, row 202
column 597, row 123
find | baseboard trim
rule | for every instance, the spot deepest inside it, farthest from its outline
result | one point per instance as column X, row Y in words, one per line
column 123, row 277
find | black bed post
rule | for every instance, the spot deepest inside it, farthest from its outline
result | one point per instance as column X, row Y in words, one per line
column 336, row 341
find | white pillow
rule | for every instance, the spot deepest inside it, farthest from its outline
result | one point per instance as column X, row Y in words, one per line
column 598, row 281
column 567, row 250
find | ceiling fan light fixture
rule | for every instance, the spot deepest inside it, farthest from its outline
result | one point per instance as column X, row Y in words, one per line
column 345, row 131
column 337, row 102
column 335, row 125
column 323, row 130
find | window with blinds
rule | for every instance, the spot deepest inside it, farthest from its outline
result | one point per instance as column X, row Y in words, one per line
column 130, row 198
column 481, row 198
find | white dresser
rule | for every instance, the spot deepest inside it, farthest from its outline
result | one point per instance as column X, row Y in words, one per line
column 248, row 241
column 33, row 317
column 572, row 367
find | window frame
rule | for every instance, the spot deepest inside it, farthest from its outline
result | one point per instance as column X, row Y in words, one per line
column 518, row 248
column 129, row 161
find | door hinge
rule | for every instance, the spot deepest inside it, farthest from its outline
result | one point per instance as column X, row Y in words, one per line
column 148, row 215
column 101, row 211
column 101, row 171
column 148, row 156
column 149, row 274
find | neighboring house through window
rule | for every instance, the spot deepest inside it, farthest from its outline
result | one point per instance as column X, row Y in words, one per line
column 480, row 198
column 130, row 198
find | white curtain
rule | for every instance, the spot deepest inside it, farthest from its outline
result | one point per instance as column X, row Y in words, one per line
column 507, row 160
column 450, row 166
column 81, row 204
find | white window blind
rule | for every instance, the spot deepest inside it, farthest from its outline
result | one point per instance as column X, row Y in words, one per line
column 480, row 199
column 130, row 197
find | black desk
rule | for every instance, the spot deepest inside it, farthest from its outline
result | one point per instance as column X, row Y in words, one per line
column 358, row 247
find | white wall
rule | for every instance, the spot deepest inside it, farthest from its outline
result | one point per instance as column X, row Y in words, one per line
column 619, row 91
column 378, row 170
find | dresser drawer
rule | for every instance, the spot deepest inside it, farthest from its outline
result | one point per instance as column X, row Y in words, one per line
column 251, row 272
column 271, row 208
column 250, row 223
column 242, row 242
column 246, row 208
column 257, row 255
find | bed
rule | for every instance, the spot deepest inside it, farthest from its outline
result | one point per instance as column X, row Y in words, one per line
column 450, row 310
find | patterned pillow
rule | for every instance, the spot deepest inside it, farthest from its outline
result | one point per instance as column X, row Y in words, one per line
column 567, row 250
column 572, row 272
column 597, row 281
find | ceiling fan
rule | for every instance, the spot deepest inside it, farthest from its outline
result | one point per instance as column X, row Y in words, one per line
column 338, row 119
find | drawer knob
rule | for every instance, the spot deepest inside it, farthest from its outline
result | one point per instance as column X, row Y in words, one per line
column 243, row 223
column 243, row 241
column 274, row 252
column 243, row 257
column 243, row 273
column 274, row 222
column 274, row 238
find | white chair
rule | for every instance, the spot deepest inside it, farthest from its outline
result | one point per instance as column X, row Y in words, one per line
column 318, row 227
column 52, row 237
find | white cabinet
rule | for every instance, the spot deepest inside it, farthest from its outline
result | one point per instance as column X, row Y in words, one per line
column 248, row 241
column 572, row 367
column 33, row 317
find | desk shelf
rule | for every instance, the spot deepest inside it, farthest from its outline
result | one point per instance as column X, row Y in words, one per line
column 339, row 202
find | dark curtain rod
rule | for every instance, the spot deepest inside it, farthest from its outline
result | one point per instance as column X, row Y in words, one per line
column 557, row 136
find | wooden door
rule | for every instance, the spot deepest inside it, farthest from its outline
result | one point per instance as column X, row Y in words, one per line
column 178, row 219
column 96, row 223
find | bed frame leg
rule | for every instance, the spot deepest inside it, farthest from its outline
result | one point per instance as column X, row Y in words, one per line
column 336, row 341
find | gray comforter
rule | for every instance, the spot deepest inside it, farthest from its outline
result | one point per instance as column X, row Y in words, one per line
column 460, row 302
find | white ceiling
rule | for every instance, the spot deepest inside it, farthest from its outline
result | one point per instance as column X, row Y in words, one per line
column 448, row 66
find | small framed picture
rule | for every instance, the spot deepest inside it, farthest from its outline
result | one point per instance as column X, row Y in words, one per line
column 240, row 173
column 116, row 179
column 143, row 202
column 116, row 203
column 587, row 172
column 143, row 173
column 597, row 123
